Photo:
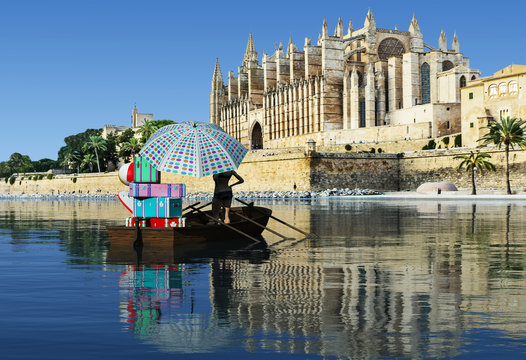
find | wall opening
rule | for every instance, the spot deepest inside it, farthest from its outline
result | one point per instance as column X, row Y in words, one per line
column 257, row 137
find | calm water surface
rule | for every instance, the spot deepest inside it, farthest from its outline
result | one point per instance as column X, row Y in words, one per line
column 391, row 279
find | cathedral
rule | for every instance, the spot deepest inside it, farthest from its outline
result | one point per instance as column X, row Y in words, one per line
column 369, row 84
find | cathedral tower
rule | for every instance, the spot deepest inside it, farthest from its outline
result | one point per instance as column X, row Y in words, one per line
column 217, row 94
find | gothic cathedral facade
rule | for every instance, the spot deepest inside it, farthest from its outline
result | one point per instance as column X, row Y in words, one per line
column 371, row 84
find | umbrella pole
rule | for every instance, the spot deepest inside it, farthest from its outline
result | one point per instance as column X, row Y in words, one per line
column 264, row 227
column 279, row 220
column 227, row 225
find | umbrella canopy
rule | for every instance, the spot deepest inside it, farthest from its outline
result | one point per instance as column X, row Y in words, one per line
column 194, row 149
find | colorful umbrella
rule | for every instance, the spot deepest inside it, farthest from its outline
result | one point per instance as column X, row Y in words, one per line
column 193, row 148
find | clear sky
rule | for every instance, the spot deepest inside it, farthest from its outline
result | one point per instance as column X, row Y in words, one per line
column 69, row 65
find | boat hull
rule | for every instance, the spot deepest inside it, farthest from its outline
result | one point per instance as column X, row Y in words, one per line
column 199, row 229
column 201, row 234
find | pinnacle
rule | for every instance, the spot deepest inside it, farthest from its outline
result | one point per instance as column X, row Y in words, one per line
column 217, row 72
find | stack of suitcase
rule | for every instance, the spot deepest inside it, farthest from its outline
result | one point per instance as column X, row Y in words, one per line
column 154, row 204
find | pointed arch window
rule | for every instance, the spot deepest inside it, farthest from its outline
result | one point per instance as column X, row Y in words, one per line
column 424, row 83
column 462, row 81
column 447, row 65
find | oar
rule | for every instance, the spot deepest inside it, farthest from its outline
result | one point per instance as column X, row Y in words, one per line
column 260, row 225
column 227, row 225
column 190, row 206
column 278, row 220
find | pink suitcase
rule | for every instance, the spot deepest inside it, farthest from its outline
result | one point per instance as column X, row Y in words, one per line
column 157, row 190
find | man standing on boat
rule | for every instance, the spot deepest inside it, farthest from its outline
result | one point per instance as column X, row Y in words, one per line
column 223, row 193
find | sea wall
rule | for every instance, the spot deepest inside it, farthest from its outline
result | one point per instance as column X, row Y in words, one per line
column 440, row 165
column 280, row 170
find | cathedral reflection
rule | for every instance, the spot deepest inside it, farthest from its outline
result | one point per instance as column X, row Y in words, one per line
column 383, row 279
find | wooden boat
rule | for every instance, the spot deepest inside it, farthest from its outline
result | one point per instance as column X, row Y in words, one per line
column 249, row 220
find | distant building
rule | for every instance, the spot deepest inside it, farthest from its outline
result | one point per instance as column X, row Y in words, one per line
column 137, row 120
column 371, row 84
column 492, row 98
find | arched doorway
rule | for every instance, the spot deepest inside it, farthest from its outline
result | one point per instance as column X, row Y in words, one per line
column 257, row 137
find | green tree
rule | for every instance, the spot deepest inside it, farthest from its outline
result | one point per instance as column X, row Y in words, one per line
column 71, row 159
column 473, row 162
column 19, row 163
column 146, row 130
column 110, row 154
column 96, row 143
column 5, row 169
column 88, row 161
column 76, row 143
column 508, row 132
column 131, row 147
column 125, row 136
column 44, row 164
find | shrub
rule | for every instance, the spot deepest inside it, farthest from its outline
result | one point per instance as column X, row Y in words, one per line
column 22, row 178
column 20, row 182
column 373, row 150
column 74, row 180
column 12, row 180
column 348, row 147
column 40, row 177
column 431, row 145
column 446, row 141
column 458, row 140
column 49, row 176
column 35, row 178
column 380, row 150
column 6, row 179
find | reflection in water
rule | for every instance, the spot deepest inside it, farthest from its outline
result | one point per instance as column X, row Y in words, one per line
column 384, row 279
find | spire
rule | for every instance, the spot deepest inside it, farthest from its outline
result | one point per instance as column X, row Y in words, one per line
column 455, row 46
column 414, row 28
column 350, row 28
column 250, row 53
column 442, row 41
column 325, row 29
column 338, row 31
column 217, row 78
column 369, row 19
column 290, row 47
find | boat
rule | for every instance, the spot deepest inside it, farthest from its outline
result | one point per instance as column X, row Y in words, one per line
column 247, row 224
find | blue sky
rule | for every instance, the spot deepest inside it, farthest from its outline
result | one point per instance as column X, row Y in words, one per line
column 75, row 64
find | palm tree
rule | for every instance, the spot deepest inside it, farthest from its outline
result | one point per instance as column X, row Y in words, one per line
column 133, row 146
column 507, row 132
column 475, row 161
column 96, row 143
column 147, row 129
column 88, row 161
column 71, row 158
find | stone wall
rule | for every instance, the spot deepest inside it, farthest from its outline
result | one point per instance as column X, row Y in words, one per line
column 440, row 165
column 371, row 171
column 280, row 170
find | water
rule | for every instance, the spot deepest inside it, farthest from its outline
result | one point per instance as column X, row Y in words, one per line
column 391, row 279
